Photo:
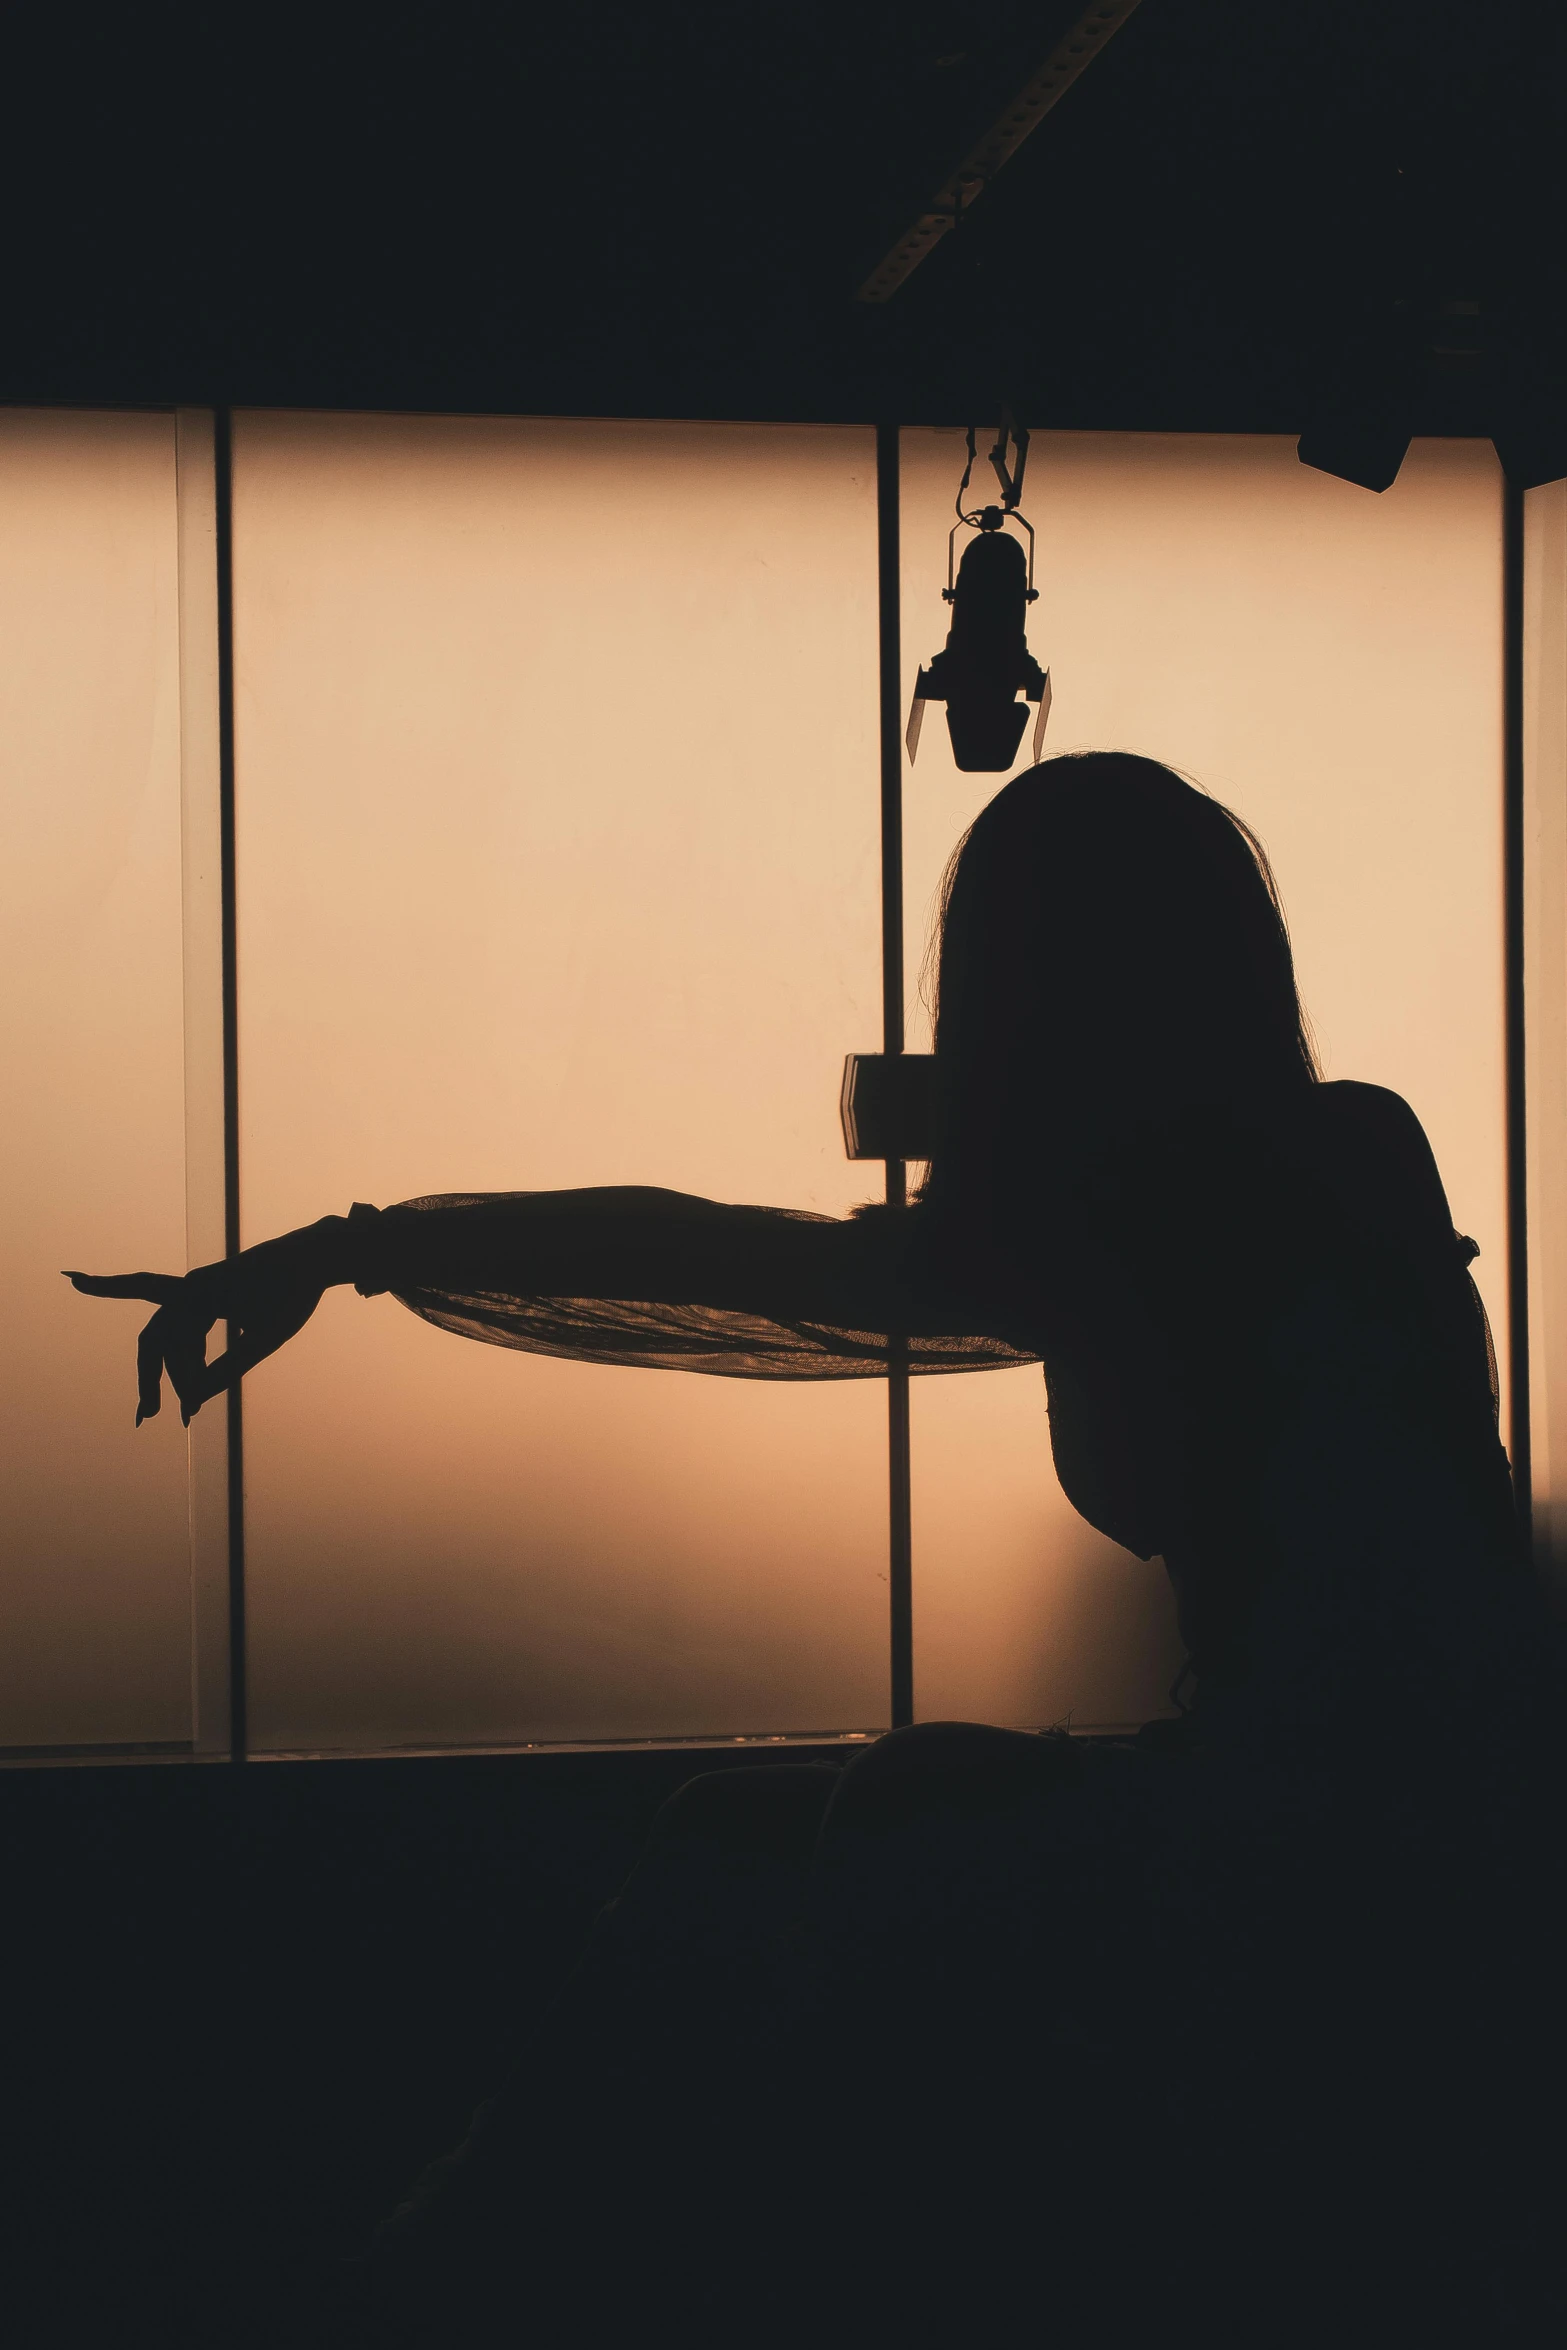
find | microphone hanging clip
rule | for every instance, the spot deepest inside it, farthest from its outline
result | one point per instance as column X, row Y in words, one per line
column 986, row 662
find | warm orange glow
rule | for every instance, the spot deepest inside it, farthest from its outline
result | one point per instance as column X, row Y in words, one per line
column 1328, row 663
column 95, row 1563
column 558, row 859
column 558, row 864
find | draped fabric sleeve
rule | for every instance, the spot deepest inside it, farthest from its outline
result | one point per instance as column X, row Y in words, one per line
column 743, row 1293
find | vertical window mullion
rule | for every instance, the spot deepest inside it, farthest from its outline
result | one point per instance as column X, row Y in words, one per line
column 223, row 472
column 203, row 850
column 900, row 1531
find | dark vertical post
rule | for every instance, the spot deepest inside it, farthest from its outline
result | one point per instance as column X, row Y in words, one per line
column 223, row 458
column 900, row 1571
column 1513, row 919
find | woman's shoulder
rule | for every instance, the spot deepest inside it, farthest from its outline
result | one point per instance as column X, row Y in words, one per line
column 1366, row 1149
column 1345, row 1116
column 1348, row 1105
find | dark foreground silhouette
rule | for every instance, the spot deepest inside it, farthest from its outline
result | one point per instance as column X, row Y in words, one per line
column 1001, row 2032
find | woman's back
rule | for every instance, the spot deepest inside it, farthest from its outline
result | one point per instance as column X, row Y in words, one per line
column 1267, row 1364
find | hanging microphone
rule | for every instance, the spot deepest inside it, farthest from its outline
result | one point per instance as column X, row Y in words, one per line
column 986, row 662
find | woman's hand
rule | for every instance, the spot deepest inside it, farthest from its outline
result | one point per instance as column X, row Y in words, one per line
column 264, row 1295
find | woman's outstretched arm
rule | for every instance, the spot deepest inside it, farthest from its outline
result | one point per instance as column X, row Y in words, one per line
column 662, row 1247
column 658, row 1247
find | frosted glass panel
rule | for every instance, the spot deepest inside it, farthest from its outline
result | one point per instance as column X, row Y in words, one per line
column 557, row 844
column 1329, row 664
column 94, row 1548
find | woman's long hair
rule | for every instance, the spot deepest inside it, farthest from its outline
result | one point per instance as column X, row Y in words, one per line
column 1112, row 949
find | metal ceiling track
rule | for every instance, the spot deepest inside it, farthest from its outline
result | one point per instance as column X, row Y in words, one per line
column 962, row 188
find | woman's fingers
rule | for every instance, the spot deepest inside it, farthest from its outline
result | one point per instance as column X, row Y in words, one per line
column 185, row 1360
column 249, row 1345
column 172, row 1342
column 175, row 1340
column 149, row 1369
column 156, row 1289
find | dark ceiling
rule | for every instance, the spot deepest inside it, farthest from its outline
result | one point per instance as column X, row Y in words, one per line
column 667, row 209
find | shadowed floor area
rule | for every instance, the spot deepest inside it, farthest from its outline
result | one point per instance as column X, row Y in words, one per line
column 245, row 2007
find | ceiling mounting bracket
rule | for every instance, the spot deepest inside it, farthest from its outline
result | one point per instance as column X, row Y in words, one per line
column 961, row 189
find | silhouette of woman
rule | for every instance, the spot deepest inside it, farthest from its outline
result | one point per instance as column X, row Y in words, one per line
column 1264, row 1358
column 1265, row 1363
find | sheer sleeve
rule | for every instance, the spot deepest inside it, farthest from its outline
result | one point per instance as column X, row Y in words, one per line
column 664, row 1282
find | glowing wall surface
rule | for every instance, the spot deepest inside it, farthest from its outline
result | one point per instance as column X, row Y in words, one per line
column 94, row 1546
column 558, row 864
column 557, row 847
column 1328, row 663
